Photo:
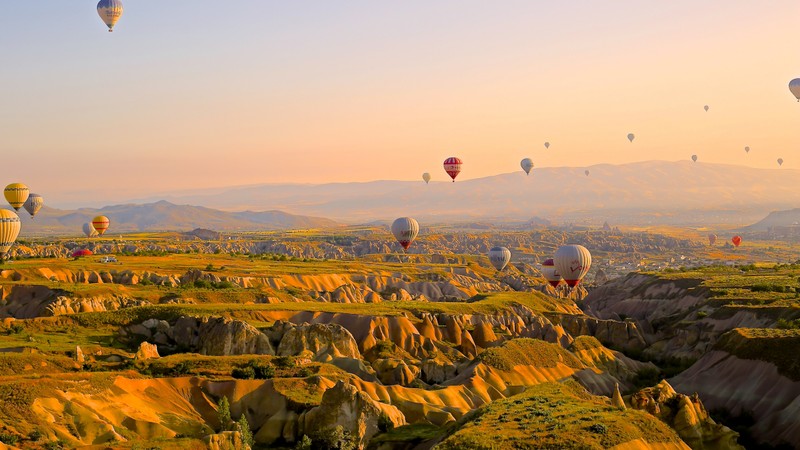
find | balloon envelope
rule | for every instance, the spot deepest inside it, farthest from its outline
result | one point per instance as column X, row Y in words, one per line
column 586, row 172
column 706, row 108
column 550, row 273
column 89, row 230
column 452, row 166
column 81, row 252
column 747, row 149
column 546, row 145
column 736, row 240
column 694, row 158
column 712, row 239
column 405, row 230
column 499, row 257
column 794, row 87
column 572, row 262
column 780, row 161
column 426, row 177
column 109, row 11
column 100, row 224
column 526, row 165
column 33, row 204
column 16, row 194
column 631, row 137
column 9, row 230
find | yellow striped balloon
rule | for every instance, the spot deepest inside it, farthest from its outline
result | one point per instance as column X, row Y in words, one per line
column 100, row 223
column 9, row 230
column 16, row 195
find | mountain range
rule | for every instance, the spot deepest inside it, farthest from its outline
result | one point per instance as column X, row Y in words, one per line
column 165, row 216
column 680, row 192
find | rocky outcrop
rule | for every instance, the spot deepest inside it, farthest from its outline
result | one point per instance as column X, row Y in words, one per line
column 223, row 337
column 146, row 351
column 227, row 440
column 687, row 416
column 617, row 334
column 344, row 405
column 322, row 342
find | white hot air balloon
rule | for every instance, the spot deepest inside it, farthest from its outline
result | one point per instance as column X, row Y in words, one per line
column 780, row 161
column 9, row 230
column 631, row 137
column 706, row 108
column 550, row 273
column 694, row 158
column 794, row 87
column 405, row 230
column 499, row 257
column 747, row 149
column 526, row 165
column 89, row 230
column 572, row 263
column 546, row 145
column 426, row 177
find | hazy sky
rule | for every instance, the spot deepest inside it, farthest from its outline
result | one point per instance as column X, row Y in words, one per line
column 188, row 94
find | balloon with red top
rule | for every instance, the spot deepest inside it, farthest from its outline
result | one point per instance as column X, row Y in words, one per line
column 452, row 166
column 737, row 240
column 573, row 263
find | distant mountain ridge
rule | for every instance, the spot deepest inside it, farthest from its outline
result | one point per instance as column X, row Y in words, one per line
column 166, row 216
column 787, row 218
column 656, row 189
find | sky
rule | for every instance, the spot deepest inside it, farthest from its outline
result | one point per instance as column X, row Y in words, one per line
column 203, row 93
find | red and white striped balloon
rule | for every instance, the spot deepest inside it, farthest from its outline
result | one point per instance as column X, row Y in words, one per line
column 452, row 166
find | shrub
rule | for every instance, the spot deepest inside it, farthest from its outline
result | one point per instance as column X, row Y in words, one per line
column 304, row 444
column 334, row 439
column 263, row 371
column 598, row 428
column 243, row 373
column 284, row 362
column 244, row 428
column 385, row 423
column 224, row 414
column 8, row 439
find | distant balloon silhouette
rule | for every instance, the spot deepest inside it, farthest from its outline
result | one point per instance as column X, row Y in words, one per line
column 33, row 204
column 706, row 108
column 426, row 177
column 452, row 166
column 586, row 172
column 694, row 158
column 747, row 149
column 712, row 239
column 794, row 87
column 780, row 161
column 89, row 230
column 631, row 137
column 526, row 165
column 546, row 145
column 737, row 240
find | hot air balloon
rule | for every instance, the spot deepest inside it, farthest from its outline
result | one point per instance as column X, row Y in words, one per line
column 16, row 195
column 526, row 165
column 736, row 240
column 33, row 204
column 546, row 145
column 572, row 262
column 452, row 166
column 499, row 257
column 9, row 230
column 100, row 224
column 550, row 273
column 631, row 137
column 426, row 177
column 89, row 230
column 780, row 161
column 586, row 172
column 405, row 230
column 706, row 108
column 712, row 239
column 694, row 158
column 82, row 252
column 794, row 86
column 747, row 149
column 110, row 11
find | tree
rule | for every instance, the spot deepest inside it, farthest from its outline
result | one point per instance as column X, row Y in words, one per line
column 244, row 429
column 224, row 414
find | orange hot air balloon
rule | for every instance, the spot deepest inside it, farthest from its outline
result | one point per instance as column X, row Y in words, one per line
column 737, row 240
column 81, row 253
column 452, row 166
column 100, row 224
